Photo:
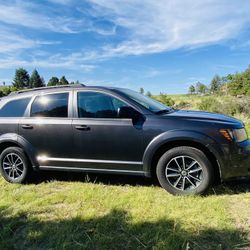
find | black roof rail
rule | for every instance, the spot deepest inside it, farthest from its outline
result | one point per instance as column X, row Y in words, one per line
column 48, row 87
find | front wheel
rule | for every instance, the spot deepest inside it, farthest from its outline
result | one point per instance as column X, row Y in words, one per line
column 14, row 165
column 185, row 170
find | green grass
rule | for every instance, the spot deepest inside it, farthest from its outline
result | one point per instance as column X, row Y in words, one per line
column 248, row 129
column 113, row 212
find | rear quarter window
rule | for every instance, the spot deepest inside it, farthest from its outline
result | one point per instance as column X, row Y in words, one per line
column 14, row 108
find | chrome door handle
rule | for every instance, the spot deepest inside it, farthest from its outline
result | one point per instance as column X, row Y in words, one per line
column 27, row 126
column 82, row 127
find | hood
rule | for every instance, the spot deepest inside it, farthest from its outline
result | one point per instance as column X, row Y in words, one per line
column 208, row 116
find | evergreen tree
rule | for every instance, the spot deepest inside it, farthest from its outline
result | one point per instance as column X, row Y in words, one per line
column 149, row 94
column 142, row 91
column 43, row 82
column 21, row 79
column 215, row 85
column 36, row 80
column 53, row 81
column 192, row 89
column 63, row 81
column 201, row 88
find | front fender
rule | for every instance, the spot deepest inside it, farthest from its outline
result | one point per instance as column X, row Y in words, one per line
column 171, row 136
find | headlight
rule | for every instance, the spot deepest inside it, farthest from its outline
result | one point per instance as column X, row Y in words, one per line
column 240, row 134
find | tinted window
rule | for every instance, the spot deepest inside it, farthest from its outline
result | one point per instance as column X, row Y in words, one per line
column 98, row 105
column 145, row 101
column 15, row 108
column 53, row 105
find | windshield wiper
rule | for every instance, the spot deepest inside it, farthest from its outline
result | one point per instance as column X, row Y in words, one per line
column 163, row 111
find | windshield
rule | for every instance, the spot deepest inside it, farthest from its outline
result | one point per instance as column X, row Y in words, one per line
column 145, row 101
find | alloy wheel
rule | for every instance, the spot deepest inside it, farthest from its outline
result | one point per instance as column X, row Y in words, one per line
column 184, row 173
column 13, row 166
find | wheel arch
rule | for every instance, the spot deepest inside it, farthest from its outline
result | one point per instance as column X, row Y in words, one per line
column 164, row 143
column 14, row 140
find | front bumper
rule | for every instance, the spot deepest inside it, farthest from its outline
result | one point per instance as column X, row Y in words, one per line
column 236, row 161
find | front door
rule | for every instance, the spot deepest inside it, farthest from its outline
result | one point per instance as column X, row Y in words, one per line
column 102, row 140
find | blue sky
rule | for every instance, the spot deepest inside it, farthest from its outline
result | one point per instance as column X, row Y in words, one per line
column 163, row 45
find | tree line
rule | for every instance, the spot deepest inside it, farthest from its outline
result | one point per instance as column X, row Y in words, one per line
column 23, row 80
column 232, row 84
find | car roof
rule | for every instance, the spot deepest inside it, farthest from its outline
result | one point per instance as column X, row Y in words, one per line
column 53, row 89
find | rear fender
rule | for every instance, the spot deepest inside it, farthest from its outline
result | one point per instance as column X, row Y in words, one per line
column 22, row 143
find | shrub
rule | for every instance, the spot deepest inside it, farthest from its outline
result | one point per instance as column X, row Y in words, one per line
column 230, row 108
column 209, row 104
column 163, row 98
column 182, row 105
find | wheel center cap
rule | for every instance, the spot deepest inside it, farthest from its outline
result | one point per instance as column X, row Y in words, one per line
column 183, row 172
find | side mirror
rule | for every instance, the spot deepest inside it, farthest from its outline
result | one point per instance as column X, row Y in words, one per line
column 128, row 112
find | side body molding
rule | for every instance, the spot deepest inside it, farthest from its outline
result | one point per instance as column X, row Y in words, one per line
column 178, row 135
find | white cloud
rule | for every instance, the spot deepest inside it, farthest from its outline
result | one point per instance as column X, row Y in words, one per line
column 163, row 25
column 12, row 42
column 43, row 17
column 30, row 15
column 136, row 28
column 58, row 61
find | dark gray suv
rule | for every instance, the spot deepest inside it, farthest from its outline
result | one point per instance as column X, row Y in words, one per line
column 115, row 130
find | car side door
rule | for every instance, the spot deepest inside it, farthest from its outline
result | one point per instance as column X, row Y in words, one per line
column 102, row 139
column 47, row 127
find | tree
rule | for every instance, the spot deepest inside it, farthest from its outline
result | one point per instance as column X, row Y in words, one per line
column 43, row 82
column 21, row 79
column 78, row 83
column 215, row 85
column 192, row 89
column 149, row 94
column 142, row 91
column 63, row 81
column 201, row 88
column 36, row 80
column 53, row 81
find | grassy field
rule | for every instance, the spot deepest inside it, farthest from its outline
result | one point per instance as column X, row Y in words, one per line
column 76, row 211
column 71, row 211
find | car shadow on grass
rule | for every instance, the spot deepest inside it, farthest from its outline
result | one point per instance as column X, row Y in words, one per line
column 232, row 187
column 114, row 230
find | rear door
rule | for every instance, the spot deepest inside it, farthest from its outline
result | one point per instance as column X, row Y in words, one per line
column 47, row 127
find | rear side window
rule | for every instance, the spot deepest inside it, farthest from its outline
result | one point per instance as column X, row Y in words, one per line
column 52, row 105
column 15, row 108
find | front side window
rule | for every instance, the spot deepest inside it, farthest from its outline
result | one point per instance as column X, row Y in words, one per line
column 98, row 105
column 14, row 108
column 51, row 105
column 145, row 101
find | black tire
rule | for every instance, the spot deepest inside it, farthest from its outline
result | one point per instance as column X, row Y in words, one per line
column 18, row 172
column 196, row 180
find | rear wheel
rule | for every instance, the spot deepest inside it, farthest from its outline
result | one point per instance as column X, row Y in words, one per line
column 15, row 167
column 185, row 170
